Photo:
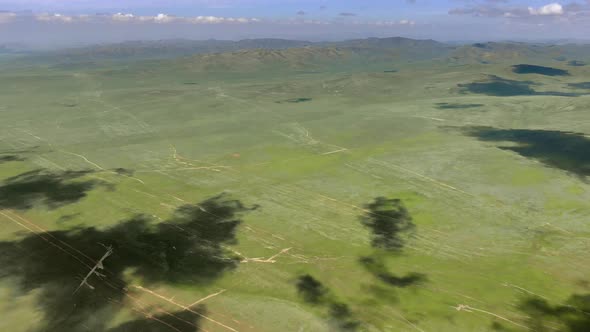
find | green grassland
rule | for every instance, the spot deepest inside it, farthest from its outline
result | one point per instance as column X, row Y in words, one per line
column 494, row 185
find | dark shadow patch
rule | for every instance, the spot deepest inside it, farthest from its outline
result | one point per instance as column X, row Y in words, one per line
column 388, row 220
column 391, row 71
column 179, row 321
column 342, row 317
column 314, row 292
column 377, row 268
column 580, row 85
column 310, row 289
column 480, row 45
column 69, row 217
column 573, row 315
column 190, row 83
column 560, row 58
column 189, row 248
column 453, row 106
column 32, row 149
column 70, row 105
column 564, row 150
column 497, row 326
column 52, row 189
column 294, row 101
column 576, row 63
column 124, row 171
column 9, row 158
column 541, row 70
column 501, row 87
column 497, row 86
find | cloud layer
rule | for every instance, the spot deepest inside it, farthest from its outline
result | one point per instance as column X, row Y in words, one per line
column 161, row 18
column 502, row 8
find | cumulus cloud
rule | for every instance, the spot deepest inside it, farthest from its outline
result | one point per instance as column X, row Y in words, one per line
column 7, row 17
column 217, row 20
column 550, row 9
column 392, row 23
column 122, row 17
column 407, row 22
column 55, row 18
column 495, row 8
column 164, row 18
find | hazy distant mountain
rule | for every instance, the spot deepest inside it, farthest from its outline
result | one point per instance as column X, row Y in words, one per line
column 13, row 48
column 178, row 48
column 252, row 54
column 510, row 52
column 161, row 49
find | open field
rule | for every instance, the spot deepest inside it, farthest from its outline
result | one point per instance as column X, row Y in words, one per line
column 250, row 202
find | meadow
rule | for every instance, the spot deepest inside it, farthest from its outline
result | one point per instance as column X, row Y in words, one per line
column 164, row 195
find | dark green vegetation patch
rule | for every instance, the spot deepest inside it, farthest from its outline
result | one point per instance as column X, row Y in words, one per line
column 563, row 150
column 541, row 70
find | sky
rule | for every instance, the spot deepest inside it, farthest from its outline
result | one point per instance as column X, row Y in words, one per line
column 48, row 23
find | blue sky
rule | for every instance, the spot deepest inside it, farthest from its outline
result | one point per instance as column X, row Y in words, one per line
column 53, row 21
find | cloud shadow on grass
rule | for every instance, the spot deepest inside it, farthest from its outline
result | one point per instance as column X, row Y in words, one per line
column 48, row 188
column 189, row 248
column 295, row 100
column 567, row 151
column 501, row 87
column 541, row 70
column 314, row 292
column 576, row 63
column 310, row 289
column 452, row 106
column 580, row 85
column 377, row 268
column 573, row 315
column 9, row 158
column 179, row 321
column 388, row 220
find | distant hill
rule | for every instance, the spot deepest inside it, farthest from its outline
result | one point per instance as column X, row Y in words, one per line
column 245, row 60
column 507, row 52
column 167, row 48
column 163, row 49
column 254, row 54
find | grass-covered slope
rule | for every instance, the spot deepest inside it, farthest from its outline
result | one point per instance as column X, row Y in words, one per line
column 245, row 192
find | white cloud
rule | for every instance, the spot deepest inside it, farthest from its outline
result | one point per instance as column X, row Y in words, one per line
column 7, row 17
column 164, row 18
column 218, row 20
column 392, row 23
column 550, row 9
column 407, row 22
column 54, row 18
column 122, row 17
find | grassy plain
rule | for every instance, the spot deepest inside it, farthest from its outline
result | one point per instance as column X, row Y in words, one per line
column 501, row 232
